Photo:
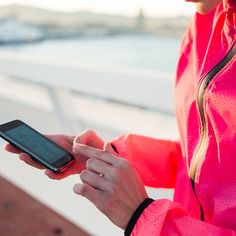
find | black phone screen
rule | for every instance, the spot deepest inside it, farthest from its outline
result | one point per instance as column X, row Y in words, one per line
column 36, row 143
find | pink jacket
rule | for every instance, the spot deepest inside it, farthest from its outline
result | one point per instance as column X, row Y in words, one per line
column 202, row 165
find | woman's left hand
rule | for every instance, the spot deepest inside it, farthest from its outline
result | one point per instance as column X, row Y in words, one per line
column 111, row 183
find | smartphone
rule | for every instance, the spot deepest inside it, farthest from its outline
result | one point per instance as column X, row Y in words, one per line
column 40, row 148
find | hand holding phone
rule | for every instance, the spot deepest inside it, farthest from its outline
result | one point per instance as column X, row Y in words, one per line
column 65, row 142
column 41, row 149
column 88, row 137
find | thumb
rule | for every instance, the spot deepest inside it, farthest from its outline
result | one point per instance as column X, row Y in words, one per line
column 56, row 176
column 85, row 137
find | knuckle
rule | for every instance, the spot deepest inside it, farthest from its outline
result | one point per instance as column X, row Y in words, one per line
column 98, row 154
column 83, row 190
column 90, row 163
column 114, row 176
column 83, row 175
column 123, row 164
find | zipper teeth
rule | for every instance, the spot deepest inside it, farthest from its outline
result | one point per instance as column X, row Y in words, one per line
column 198, row 156
column 201, row 147
column 200, row 101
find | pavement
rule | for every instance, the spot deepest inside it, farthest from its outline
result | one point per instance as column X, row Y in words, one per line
column 23, row 215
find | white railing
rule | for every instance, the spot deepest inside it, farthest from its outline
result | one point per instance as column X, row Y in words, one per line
column 135, row 87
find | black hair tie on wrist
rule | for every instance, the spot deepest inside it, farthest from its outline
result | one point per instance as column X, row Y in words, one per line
column 133, row 220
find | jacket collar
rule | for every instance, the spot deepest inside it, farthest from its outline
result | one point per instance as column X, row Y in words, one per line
column 230, row 10
column 230, row 6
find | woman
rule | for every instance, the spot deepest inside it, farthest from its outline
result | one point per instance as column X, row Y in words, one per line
column 200, row 166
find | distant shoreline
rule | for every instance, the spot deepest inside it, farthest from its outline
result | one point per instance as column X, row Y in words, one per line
column 79, row 36
column 59, row 24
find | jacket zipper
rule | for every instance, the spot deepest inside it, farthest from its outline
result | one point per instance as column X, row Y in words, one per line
column 199, row 154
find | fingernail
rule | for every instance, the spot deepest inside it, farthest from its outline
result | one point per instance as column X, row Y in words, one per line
column 76, row 139
column 76, row 188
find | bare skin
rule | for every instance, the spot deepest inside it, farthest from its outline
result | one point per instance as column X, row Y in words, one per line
column 105, row 183
column 67, row 142
column 103, row 174
column 205, row 6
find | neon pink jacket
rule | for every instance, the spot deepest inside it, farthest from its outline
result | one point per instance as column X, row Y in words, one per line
column 202, row 165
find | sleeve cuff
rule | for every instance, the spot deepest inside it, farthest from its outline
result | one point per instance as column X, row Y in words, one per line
column 114, row 148
column 136, row 215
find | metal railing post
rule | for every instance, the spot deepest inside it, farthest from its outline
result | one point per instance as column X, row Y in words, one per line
column 64, row 108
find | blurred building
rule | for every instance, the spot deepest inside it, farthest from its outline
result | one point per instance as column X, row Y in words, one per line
column 141, row 21
column 73, row 24
column 13, row 31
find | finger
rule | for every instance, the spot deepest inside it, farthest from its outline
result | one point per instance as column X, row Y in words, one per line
column 89, row 138
column 28, row 160
column 95, row 153
column 99, row 167
column 12, row 149
column 94, row 180
column 88, row 192
column 85, row 137
column 56, row 176
column 70, row 139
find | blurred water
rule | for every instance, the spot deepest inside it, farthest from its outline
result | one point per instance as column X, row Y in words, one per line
column 127, row 51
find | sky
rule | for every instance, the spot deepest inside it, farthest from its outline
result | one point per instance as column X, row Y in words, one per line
column 126, row 7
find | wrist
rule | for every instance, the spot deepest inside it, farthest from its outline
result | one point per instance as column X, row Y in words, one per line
column 138, row 212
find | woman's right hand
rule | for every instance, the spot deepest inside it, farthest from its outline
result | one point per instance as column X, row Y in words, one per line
column 89, row 138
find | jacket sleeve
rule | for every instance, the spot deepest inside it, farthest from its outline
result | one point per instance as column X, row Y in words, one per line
column 167, row 218
column 155, row 160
